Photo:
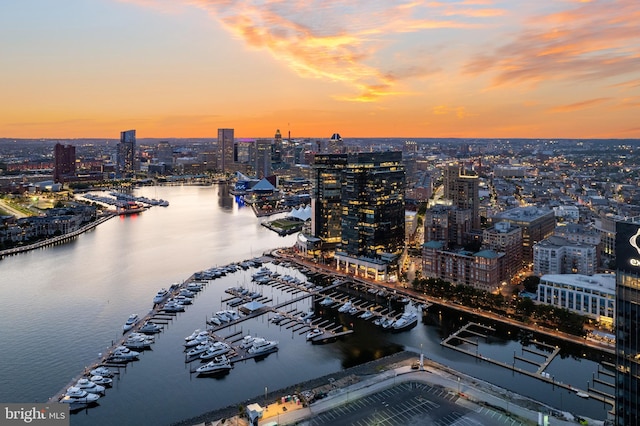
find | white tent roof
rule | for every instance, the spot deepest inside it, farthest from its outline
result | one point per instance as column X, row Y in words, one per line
column 302, row 213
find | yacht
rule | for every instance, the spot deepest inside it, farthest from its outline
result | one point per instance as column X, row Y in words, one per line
column 202, row 337
column 102, row 371
column 307, row 317
column 214, row 321
column 201, row 348
column 366, row 314
column 314, row 333
column 186, row 293
column 138, row 341
column 89, row 386
column 353, row 310
column 193, row 335
column 150, row 328
column 388, row 323
column 123, row 354
column 160, row 296
column 195, row 287
column 345, row 308
column 327, row 301
column 101, row 380
column 247, row 341
column 406, row 321
column 217, row 365
column 183, row 300
column 131, row 321
column 77, row 397
column 173, row 306
column 262, row 346
column 215, row 349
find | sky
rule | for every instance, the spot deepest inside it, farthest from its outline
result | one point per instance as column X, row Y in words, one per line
column 362, row 68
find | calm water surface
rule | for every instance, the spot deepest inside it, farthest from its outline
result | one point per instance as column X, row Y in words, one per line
column 64, row 305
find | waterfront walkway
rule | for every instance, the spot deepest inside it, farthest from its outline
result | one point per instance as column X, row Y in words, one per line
column 59, row 239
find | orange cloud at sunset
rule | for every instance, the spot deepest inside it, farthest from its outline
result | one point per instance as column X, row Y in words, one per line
column 465, row 68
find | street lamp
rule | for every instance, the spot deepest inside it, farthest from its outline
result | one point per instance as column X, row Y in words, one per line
column 458, row 385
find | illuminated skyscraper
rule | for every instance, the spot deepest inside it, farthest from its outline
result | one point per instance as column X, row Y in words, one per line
column 64, row 162
column 226, row 151
column 358, row 209
column 126, row 158
column 627, row 320
column 462, row 189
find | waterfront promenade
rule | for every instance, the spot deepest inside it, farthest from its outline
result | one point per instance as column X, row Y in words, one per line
column 59, row 239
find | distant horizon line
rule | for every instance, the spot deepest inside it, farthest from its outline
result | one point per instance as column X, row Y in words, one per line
column 3, row 138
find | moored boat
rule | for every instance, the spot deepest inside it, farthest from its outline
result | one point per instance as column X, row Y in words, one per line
column 263, row 346
column 217, row 365
column 406, row 321
column 77, row 397
column 131, row 321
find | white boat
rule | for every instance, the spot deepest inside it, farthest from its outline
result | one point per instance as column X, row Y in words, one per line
column 77, row 397
column 366, row 314
column 194, row 287
column 307, row 317
column 131, row 321
column 261, row 346
column 353, row 310
column 173, row 306
column 186, row 293
column 247, row 341
column 139, row 341
column 202, row 337
column 183, row 300
column 215, row 349
column 122, row 353
column 160, row 296
column 326, row 301
column 214, row 321
column 102, row 371
column 314, row 333
column 345, row 308
column 406, row 320
column 388, row 323
column 101, row 380
column 150, row 328
column 89, row 386
column 217, row 365
column 193, row 335
column 201, row 348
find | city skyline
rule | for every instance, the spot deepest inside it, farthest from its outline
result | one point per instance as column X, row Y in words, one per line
column 184, row 68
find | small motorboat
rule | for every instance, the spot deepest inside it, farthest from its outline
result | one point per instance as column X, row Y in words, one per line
column 314, row 333
column 214, row 350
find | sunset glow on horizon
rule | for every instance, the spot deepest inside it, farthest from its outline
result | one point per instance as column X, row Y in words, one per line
column 363, row 68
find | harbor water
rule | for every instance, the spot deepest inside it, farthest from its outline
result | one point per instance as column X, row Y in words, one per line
column 64, row 305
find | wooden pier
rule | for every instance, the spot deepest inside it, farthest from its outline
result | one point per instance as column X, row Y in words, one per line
column 538, row 374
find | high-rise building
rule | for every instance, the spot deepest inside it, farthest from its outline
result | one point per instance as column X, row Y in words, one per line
column 505, row 238
column 373, row 205
column 461, row 187
column 64, row 162
column 358, row 209
column 627, row 320
column 326, row 208
column 263, row 155
column 226, row 151
column 126, row 158
column 536, row 224
column 164, row 153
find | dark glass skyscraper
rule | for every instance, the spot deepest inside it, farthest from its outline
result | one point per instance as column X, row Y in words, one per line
column 627, row 319
column 372, row 200
column 358, row 209
column 64, row 161
column 126, row 158
column 225, row 153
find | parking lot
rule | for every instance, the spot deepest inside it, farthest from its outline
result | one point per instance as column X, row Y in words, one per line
column 411, row 403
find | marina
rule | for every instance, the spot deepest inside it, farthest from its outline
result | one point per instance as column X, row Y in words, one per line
column 88, row 288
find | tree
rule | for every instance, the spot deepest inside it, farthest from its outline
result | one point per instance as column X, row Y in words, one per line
column 531, row 283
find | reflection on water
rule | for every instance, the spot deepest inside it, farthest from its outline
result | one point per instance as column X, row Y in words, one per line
column 67, row 304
